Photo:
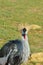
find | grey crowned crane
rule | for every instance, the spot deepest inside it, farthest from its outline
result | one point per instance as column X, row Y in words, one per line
column 20, row 50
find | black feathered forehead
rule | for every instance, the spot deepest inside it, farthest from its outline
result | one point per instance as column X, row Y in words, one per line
column 24, row 29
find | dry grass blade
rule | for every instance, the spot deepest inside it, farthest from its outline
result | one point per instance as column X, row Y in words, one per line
column 28, row 27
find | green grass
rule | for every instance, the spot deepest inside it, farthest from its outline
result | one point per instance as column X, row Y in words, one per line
column 21, row 11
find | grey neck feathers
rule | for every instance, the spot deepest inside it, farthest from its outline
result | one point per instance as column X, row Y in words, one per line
column 26, row 48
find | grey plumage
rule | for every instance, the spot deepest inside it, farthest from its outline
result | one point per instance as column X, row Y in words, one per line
column 3, row 60
column 20, row 50
column 16, row 46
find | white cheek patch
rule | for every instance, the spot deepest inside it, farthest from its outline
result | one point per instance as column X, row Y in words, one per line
column 26, row 32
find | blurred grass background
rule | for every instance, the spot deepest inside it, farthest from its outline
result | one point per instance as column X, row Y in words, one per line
column 14, row 12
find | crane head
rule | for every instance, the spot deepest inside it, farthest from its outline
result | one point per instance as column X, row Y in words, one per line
column 24, row 32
